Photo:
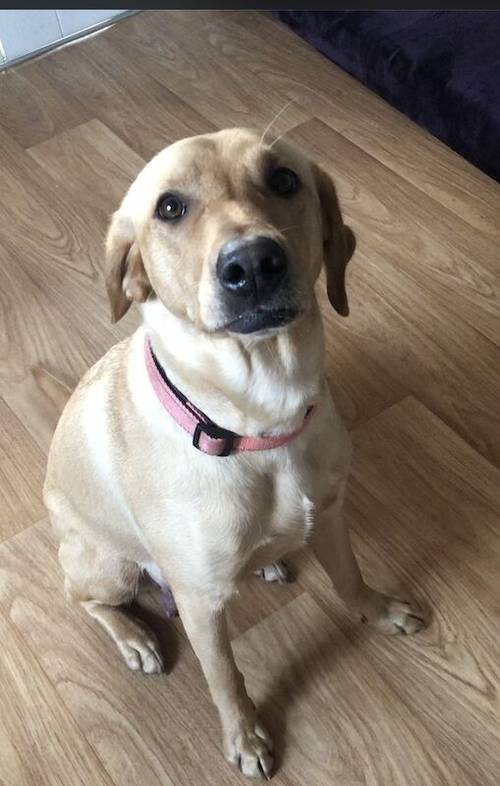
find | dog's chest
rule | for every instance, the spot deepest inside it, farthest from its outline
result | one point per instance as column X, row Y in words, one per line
column 271, row 514
column 274, row 511
column 285, row 531
column 216, row 519
column 290, row 512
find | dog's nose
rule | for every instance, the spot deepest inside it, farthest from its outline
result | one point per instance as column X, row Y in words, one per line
column 251, row 268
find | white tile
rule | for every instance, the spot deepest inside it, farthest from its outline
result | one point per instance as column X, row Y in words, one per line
column 23, row 32
column 77, row 20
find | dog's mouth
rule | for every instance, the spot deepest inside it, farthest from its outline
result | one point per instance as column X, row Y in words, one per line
column 261, row 319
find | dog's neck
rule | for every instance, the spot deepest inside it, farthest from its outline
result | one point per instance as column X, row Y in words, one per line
column 250, row 386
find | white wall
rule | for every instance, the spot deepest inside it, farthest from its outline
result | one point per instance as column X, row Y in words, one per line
column 25, row 32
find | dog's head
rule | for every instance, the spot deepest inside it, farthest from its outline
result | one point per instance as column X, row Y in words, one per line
column 228, row 233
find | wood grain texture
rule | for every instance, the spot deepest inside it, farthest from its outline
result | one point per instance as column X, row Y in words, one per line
column 102, row 166
column 40, row 742
column 22, row 469
column 183, row 63
column 428, row 293
column 456, row 263
column 414, row 371
column 32, row 108
column 443, row 491
column 268, row 54
column 336, row 720
column 38, row 400
column 425, row 509
column 51, row 260
column 146, row 114
column 258, row 599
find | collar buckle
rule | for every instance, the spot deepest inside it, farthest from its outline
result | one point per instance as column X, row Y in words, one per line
column 214, row 432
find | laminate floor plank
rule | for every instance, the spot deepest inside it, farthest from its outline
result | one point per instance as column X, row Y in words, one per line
column 32, row 108
column 334, row 718
column 268, row 54
column 22, row 470
column 424, row 509
column 40, row 742
column 436, row 249
column 55, row 314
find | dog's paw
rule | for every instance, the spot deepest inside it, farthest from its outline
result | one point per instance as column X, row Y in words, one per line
column 251, row 751
column 142, row 652
column 394, row 617
column 277, row 571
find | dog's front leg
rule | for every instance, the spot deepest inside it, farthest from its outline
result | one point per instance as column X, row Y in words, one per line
column 331, row 544
column 246, row 743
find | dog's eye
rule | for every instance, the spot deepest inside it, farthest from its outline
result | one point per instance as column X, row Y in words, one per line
column 170, row 207
column 284, row 181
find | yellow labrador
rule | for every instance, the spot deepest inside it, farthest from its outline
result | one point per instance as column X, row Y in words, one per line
column 206, row 446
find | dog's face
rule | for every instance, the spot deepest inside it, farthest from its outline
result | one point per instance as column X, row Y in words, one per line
column 228, row 233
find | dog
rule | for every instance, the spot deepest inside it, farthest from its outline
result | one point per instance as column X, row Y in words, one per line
column 206, row 446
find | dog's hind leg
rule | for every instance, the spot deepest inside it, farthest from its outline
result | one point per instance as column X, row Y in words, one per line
column 134, row 639
column 104, row 583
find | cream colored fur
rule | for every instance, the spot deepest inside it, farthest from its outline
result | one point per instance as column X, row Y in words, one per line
column 126, row 489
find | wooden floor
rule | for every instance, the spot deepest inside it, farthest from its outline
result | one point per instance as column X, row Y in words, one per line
column 415, row 371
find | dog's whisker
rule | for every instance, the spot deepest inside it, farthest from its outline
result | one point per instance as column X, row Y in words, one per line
column 287, row 229
column 273, row 121
column 279, row 137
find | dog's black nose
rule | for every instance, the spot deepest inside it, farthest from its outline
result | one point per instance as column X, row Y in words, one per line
column 251, row 268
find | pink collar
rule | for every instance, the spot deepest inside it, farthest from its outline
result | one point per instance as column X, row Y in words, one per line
column 207, row 436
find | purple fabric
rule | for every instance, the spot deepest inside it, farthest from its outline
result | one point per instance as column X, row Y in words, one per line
column 441, row 68
column 168, row 602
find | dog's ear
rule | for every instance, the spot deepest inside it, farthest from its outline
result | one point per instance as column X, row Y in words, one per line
column 126, row 277
column 339, row 242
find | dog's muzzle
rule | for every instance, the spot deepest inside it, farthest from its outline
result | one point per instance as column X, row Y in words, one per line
column 254, row 274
